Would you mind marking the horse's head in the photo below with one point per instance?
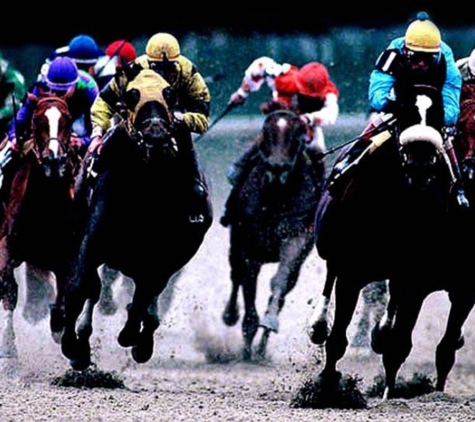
(421, 147)
(280, 142)
(51, 135)
(149, 121)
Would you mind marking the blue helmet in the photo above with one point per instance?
(83, 49)
(62, 74)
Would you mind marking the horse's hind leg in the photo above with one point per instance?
(346, 297)
(231, 311)
(38, 294)
(399, 343)
(107, 305)
(374, 302)
(250, 322)
(9, 296)
(292, 257)
(453, 338)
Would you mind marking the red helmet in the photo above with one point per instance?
(123, 49)
(285, 83)
(313, 79)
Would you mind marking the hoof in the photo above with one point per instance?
(80, 364)
(143, 351)
(318, 332)
(231, 315)
(11, 353)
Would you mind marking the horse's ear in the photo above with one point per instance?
(170, 96)
(131, 98)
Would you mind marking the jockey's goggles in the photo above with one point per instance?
(416, 57)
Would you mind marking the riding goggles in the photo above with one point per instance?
(416, 57)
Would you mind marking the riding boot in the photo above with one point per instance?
(237, 175)
(342, 169)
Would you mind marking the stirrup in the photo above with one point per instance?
(462, 200)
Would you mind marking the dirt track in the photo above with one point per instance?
(182, 382)
(179, 383)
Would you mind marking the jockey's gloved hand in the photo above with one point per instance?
(237, 98)
(449, 132)
(178, 122)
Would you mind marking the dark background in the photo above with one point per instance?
(43, 22)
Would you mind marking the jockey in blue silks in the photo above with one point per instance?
(419, 59)
(64, 79)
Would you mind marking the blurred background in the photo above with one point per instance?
(349, 52)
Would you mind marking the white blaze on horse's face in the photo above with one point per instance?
(53, 115)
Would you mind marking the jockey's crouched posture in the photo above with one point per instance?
(191, 108)
(419, 62)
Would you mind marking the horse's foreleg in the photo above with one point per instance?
(84, 291)
(453, 338)
(63, 280)
(143, 350)
(142, 319)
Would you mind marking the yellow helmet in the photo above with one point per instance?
(423, 35)
(162, 47)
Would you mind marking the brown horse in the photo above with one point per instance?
(38, 225)
(273, 224)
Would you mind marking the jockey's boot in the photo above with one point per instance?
(237, 175)
(341, 172)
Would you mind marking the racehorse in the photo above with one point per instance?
(38, 225)
(395, 219)
(144, 220)
(274, 224)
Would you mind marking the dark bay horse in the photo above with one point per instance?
(144, 220)
(273, 224)
(38, 225)
(395, 219)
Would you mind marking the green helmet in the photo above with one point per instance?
(162, 47)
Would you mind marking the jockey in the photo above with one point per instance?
(118, 54)
(191, 95)
(12, 91)
(420, 58)
(63, 79)
(317, 103)
(307, 91)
